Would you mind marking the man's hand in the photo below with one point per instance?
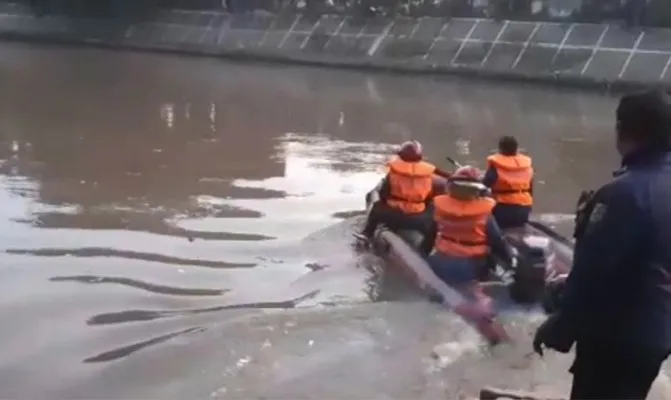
(553, 334)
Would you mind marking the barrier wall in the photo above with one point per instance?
(567, 53)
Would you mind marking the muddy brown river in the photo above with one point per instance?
(175, 227)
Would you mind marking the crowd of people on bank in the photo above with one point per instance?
(616, 306)
(632, 12)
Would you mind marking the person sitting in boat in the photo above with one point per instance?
(467, 232)
(510, 177)
(405, 195)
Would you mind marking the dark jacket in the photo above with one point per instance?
(508, 215)
(619, 290)
(497, 244)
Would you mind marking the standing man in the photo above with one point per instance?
(510, 176)
(616, 306)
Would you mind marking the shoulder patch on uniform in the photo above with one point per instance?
(597, 214)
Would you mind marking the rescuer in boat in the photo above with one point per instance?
(510, 176)
(616, 305)
(466, 232)
(405, 195)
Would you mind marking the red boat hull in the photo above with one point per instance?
(403, 258)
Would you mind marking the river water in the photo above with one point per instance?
(175, 227)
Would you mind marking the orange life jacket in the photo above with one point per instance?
(411, 184)
(462, 225)
(513, 185)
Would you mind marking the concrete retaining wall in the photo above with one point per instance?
(583, 54)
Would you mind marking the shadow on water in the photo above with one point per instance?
(202, 213)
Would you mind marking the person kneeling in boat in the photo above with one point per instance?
(467, 232)
(510, 177)
(405, 195)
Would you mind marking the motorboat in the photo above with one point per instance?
(544, 258)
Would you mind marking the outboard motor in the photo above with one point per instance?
(534, 255)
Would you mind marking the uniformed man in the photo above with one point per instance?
(616, 306)
(510, 177)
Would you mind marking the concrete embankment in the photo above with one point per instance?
(569, 54)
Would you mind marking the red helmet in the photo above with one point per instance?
(410, 151)
(466, 174)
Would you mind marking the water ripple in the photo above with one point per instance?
(136, 255)
(149, 315)
(150, 287)
(133, 223)
(125, 351)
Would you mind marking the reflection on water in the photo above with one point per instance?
(158, 248)
(320, 173)
(213, 225)
(156, 209)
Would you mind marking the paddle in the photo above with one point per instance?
(441, 173)
(453, 162)
(551, 233)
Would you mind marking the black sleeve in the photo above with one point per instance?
(385, 189)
